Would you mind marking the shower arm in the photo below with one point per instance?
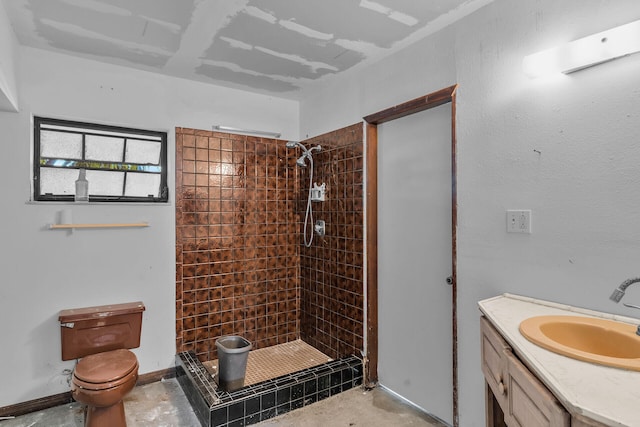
(305, 151)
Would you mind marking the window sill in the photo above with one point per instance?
(130, 204)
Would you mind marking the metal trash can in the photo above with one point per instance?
(233, 352)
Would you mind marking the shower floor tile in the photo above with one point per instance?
(272, 362)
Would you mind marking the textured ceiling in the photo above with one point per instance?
(274, 47)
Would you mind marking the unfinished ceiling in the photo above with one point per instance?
(274, 47)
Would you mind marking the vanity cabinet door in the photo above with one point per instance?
(579, 421)
(494, 362)
(531, 404)
(514, 396)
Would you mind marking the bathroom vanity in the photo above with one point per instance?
(529, 386)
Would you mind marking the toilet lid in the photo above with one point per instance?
(106, 367)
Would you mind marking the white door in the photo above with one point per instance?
(414, 259)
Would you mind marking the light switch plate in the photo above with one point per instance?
(519, 221)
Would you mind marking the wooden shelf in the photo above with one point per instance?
(114, 225)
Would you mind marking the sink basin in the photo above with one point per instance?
(601, 341)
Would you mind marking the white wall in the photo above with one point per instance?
(44, 271)
(8, 48)
(410, 73)
(583, 187)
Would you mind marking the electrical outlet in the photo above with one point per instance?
(519, 221)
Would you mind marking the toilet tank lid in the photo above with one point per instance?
(99, 311)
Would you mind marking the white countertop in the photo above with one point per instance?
(607, 395)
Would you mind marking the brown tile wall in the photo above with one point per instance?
(331, 275)
(237, 256)
(241, 267)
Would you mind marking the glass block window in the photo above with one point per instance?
(122, 164)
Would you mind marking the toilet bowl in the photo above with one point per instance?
(100, 337)
(101, 381)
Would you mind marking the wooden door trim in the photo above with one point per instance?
(432, 100)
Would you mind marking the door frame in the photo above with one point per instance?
(426, 102)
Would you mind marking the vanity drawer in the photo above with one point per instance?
(494, 362)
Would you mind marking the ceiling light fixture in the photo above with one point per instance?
(585, 52)
(246, 131)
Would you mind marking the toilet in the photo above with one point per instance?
(106, 371)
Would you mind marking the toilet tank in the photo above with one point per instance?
(91, 330)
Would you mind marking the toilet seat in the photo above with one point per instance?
(105, 370)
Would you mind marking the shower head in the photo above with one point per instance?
(302, 161)
(292, 144)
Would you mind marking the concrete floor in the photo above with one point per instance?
(355, 408)
(160, 404)
(163, 404)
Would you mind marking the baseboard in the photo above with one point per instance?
(63, 398)
(36, 405)
(410, 403)
(152, 377)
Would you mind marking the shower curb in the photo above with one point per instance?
(265, 400)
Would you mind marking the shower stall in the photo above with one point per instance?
(246, 264)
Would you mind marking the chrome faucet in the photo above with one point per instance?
(618, 293)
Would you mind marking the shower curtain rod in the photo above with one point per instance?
(246, 131)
